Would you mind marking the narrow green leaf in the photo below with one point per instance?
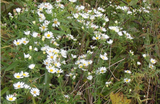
(11, 66)
(4, 90)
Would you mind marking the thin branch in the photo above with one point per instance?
(148, 90)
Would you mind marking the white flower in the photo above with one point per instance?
(31, 66)
(127, 71)
(138, 63)
(131, 52)
(90, 77)
(17, 42)
(127, 80)
(35, 91)
(74, 56)
(102, 70)
(153, 61)
(59, 71)
(25, 74)
(48, 34)
(66, 96)
(26, 55)
(52, 70)
(110, 41)
(18, 75)
(104, 57)
(115, 28)
(18, 85)
(26, 32)
(10, 98)
(72, 0)
(27, 86)
(107, 83)
(151, 66)
(36, 49)
(55, 23)
(63, 53)
(144, 55)
(97, 37)
(43, 27)
(58, 1)
(104, 36)
(24, 41)
(18, 10)
(35, 34)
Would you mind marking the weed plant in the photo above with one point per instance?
(63, 52)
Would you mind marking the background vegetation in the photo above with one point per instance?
(145, 84)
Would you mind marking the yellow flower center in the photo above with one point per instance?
(48, 35)
(102, 71)
(51, 57)
(55, 22)
(127, 80)
(58, 71)
(19, 86)
(17, 43)
(46, 62)
(84, 64)
(51, 70)
(97, 38)
(10, 99)
(24, 74)
(34, 92)
(40, 8)
(80, 66)
(18, 76)
(43, 27)
(24, 41)
(56, 64)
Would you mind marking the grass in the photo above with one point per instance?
(77, 87)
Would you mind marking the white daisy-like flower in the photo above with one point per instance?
(34, 34)
(151, 66)
(104, 57)
(26, 86)
(48, 34)
(55, 23)
(58, 1)
(17, 42)
(107, 83)
(127, 80)
(153, 61)
(102, 70)
(74, 56)
(18, 85)
(66, 96)
(110, 41)
(24, 41)
(59, 71)
(25, 74)
(26, 55)
(97, 37)
(43, 28)
(57, 64)
(72, 0)
(52, 70)
(131, 52)
(31, 66)
(35, 92)
(127, 71)
(90, 77)
(18, 10)
(138, 63)
(63, 53)
(26, 32)
(10, 97)
(18, 75)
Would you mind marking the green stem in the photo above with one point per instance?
(33, 99)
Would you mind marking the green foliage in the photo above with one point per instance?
(133, 25)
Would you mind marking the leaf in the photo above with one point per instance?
(133, 2)
(4, 90)
(11, 66)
